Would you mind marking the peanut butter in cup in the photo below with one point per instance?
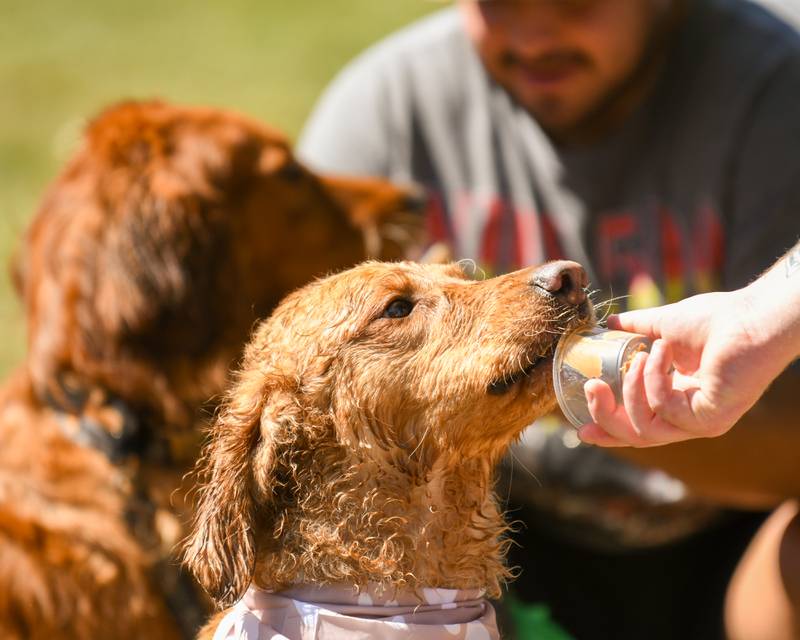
(592, 353)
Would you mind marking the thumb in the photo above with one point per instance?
(644, 321)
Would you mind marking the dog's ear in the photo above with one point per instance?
(236, 472)
(437, 253)
(390, 217)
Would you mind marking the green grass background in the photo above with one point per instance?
(61, 62)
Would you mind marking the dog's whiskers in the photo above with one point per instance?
(522, 464)
(606, 307)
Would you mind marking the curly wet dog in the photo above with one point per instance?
(351, 462)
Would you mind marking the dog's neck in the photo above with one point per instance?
(391, 519)
(461, 532)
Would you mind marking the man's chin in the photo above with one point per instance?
(565, 120)
(554, 108)
(554, 114)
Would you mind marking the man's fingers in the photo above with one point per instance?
(605, 411)
(649, 428)
(595, 434)
(670, 402)
(667, 434)
(600, 398)
(602, 406)
(632, 423)
(634, 396)
(658, 378)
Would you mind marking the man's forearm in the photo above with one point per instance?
(774, 301)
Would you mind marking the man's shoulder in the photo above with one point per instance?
(731, 51)
(418, 69)
(437, 31)
(787, 13)
(756, 26)
(437, 39)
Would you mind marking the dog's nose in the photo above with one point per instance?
(564, 279)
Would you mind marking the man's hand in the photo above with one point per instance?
(714, 356)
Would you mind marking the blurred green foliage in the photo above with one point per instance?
(61, 62)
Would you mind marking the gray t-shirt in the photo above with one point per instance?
(700, 189)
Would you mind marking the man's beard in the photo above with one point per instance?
(612, 105)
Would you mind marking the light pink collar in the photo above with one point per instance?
(342, 613)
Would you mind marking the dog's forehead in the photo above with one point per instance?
(376, 279)
(411, 272)
(359, 291)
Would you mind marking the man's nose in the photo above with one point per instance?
(563, 279)
(532, 28)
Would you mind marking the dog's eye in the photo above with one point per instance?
(399, 308)
(292, 172)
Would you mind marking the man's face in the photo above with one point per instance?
(562, 59)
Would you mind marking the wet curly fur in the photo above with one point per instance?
(166, 235)
(357, 444)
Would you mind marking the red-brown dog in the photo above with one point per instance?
(168, 233)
